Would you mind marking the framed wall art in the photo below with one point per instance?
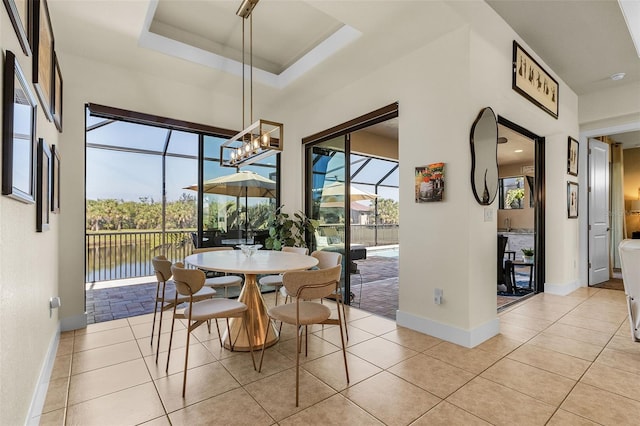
(572, 200)
(19, 12)
(56, 104)
(429, 183)
(42, 43)
(18, 133)
(43, 186)
(533, 82)
(572, 156)
(55, 179)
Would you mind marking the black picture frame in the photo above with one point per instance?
(20, 14)
(534, 82)
(572, 200)
(573, 151)
(43, 189)
(19, 112)
(55, 179)
(56, 101)
(43, 47)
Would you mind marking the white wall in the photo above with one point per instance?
(28, 278)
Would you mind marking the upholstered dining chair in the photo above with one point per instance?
(166, 300)
(224, 281)
(276, 280)
(306, 286)
(329, 259)
(188, 283)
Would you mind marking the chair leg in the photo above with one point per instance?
(298, 342)
(246, 329)
(155, 311)
(173, 321)
(266, 335)
(277, 291)
(186, 357)
(219, 336)
(344, 350)
(162, 309)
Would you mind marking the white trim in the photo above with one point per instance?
(466, 338)
(561, 289)
(73, 323)
(342, 37)
(40, 393)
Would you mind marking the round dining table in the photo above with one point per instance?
(262, 262)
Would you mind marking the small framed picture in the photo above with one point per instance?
(19, 142)
(534, 82)
(572, 200)
(572, 156)
(43, 189)
(429, 183)
(55, 179)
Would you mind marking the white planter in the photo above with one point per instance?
(528, 259)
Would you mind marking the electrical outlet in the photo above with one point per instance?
(488, 214)
(437, 296)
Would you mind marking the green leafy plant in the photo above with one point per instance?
(287, 230)
(514, 196)
(527, 251)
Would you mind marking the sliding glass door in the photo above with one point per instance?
(327, 199)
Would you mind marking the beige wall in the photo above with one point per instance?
(28, 277)
(631, 186)
(521, 219)
(376, 145)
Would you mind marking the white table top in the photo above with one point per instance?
(263, 262)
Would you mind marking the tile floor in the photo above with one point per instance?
(557, 361)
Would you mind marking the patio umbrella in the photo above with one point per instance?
(336, 192)
(242, 184)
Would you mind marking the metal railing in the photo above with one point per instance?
(119, 255)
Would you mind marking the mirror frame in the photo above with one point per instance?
(482, 193)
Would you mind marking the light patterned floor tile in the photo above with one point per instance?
(495, 403)
(601, 406)
(381, 352)
(473, 360)
(403, 405)
(333, 411)
(446, 414)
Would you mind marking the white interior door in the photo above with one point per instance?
(598, 212)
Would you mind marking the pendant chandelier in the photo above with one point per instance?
(262, 138)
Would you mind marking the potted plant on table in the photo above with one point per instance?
(287, 230)
(527, 254)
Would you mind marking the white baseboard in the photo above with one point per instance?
(561, 289)
(73, 323)
(466, 338)
(40, 394)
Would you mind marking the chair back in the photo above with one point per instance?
(314, 284)
(297, 250)
(205, 249)
(327, 259)
(629, 251)
(162, 268)
(502, 246)
(187, 281)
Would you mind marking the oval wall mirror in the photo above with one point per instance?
(484, 157)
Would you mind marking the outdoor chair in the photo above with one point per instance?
(188, 283)
(170, 299)
(305, 286)
(276, 280)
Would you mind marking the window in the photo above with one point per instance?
(511, 193)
